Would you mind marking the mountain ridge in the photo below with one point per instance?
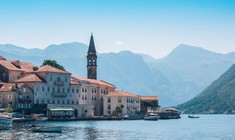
(174, 80)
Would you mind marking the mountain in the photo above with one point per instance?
(217, 98)
(176, 78)
(190, 69)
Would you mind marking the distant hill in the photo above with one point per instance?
(176, 78)
(191, 69)
(217, 98)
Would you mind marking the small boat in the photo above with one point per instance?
(152, 117)
(55, 129)
(190, 116)
(169, 113)
(40, 117)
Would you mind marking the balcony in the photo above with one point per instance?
(59, 83)
(59, 94)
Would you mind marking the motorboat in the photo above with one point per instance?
(169, 113)
(152, 117)
(53, 129)
(191, 116)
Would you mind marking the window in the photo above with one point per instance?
(24, 89)
(58, 102)
(0, 96)
(63, 102)
(67, 101)
(53, 101)
(58, 78)
(82, 97)
(77, 102)
(85, 90)
(58, 89)
(63, 89)
(82, 89)
(72, 102)
(48, 101)
(109, 106)
(119, 99)
(109, 100)
(92, 98)
(42, 89)
(53, 89)
(85, 97)
(77, 90)
(92, 90)
(68, 90)
(48, 89)
(42, 101)
(9, 96)
(65, 79)
(50, 78)
(72, 90)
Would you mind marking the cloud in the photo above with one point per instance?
(119, 42)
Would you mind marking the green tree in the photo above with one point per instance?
(8, 110)
(53, 63)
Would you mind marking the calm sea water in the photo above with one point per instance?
(207, 127)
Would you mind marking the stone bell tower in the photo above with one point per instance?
(91, 60)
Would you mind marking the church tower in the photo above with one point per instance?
(91, 60)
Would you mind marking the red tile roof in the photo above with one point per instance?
(23, 66)
(29, 78)
(6, 87)
(149, 98)
(98, 82)
(121, 93)
(48, 68)
(8, 65)
(74, 81)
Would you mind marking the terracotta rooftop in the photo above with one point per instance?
(2, 58)
(121, 93)
(7, 87)
(98, 82)
(48, 68)
(149, 98)
(29, 78)
(74, 81)
(8, 65)
(11, 65)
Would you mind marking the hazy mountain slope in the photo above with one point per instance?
(219, 97)
(190, 69)
(129, 73)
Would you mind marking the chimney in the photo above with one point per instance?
(35, 68)
(16, 63)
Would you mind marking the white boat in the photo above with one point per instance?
(55, 129)
(152, 117)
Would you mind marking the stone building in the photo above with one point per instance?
(129, 102)
(17, 96)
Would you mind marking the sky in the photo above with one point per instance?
(154, 27)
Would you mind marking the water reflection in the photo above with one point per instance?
(209, 127)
